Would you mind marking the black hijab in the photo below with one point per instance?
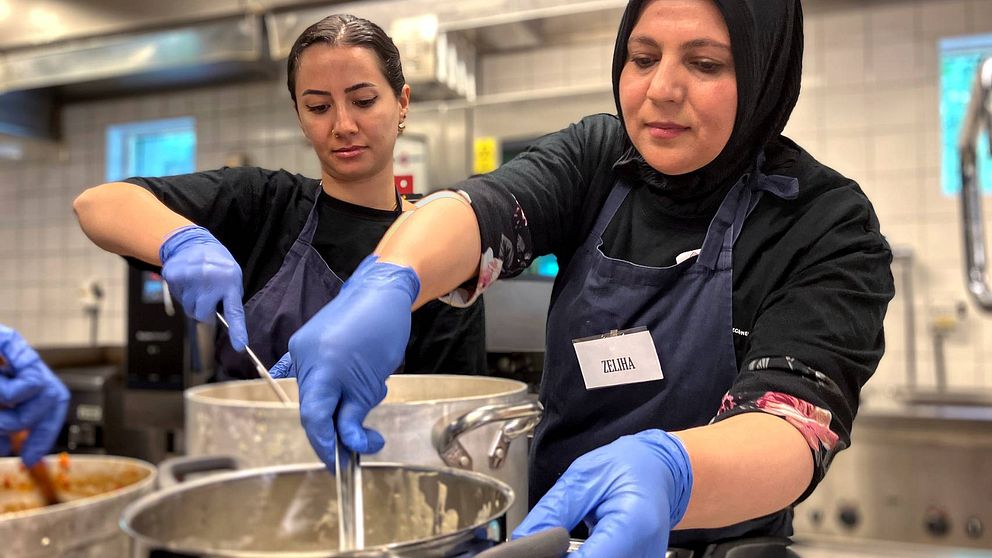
(766, 39)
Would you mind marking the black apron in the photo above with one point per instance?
(301, 287)
(688, 310)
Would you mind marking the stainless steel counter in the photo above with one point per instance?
(874, 549)
(916, 473)
(973, 406)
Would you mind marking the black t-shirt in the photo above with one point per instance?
(811, 276)
(625, 238)
(258, 215)
(349, 230)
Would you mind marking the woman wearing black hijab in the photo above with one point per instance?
(719, 307)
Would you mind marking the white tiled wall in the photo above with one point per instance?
(869, 108)
(888, 110)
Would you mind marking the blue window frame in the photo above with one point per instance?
(151, 148)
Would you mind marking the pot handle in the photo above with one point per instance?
(551, 543)
(174, 470)
(524, 417)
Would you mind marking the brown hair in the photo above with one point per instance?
(348, 30)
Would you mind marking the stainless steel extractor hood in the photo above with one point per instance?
(133, 46)
(440, 42)
(194, 48)
(35, 79)
(436, 64)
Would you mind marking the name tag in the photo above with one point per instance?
(618, 358)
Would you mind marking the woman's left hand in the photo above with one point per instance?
(630, 493)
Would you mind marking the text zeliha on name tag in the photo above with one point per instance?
(613, 360)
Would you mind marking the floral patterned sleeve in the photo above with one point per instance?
(509, 258)
(815, 423)
(812, 422)
(541, 202)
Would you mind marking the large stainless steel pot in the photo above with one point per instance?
(291, 510)
(80, 527)
(469, 422)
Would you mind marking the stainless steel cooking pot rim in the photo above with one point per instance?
(90, 500)
(134, 508)
(201, 394)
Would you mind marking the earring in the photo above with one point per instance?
(401, 127)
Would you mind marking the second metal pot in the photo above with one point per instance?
(469, 422)
(83, 526)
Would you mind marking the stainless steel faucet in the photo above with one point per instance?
(977, 117)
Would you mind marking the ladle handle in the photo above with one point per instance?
(552, 543)
(174, 470)
(262, 370)
(38, 472)
(351, 506)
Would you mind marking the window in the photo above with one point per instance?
(959, 60)
(151, 148)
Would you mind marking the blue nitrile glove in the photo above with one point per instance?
(202, 273)
(630, 493)
(31, 398)
(343, 355)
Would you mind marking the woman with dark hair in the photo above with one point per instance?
(719, 307)
(275, 247)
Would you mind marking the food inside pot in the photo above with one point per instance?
(18, 491)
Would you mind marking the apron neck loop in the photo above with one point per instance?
(613, 202)
(783, 187)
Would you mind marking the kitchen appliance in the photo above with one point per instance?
(94, 422)
(166, 352)
(94, 376)
(469, 422)
(162, 353)
(80, 527)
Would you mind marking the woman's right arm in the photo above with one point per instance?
(440, 241)
(126, 219)
(538, 203)
(192, 242)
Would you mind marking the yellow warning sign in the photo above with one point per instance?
(486, 155)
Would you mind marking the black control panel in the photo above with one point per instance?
(158, 354)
